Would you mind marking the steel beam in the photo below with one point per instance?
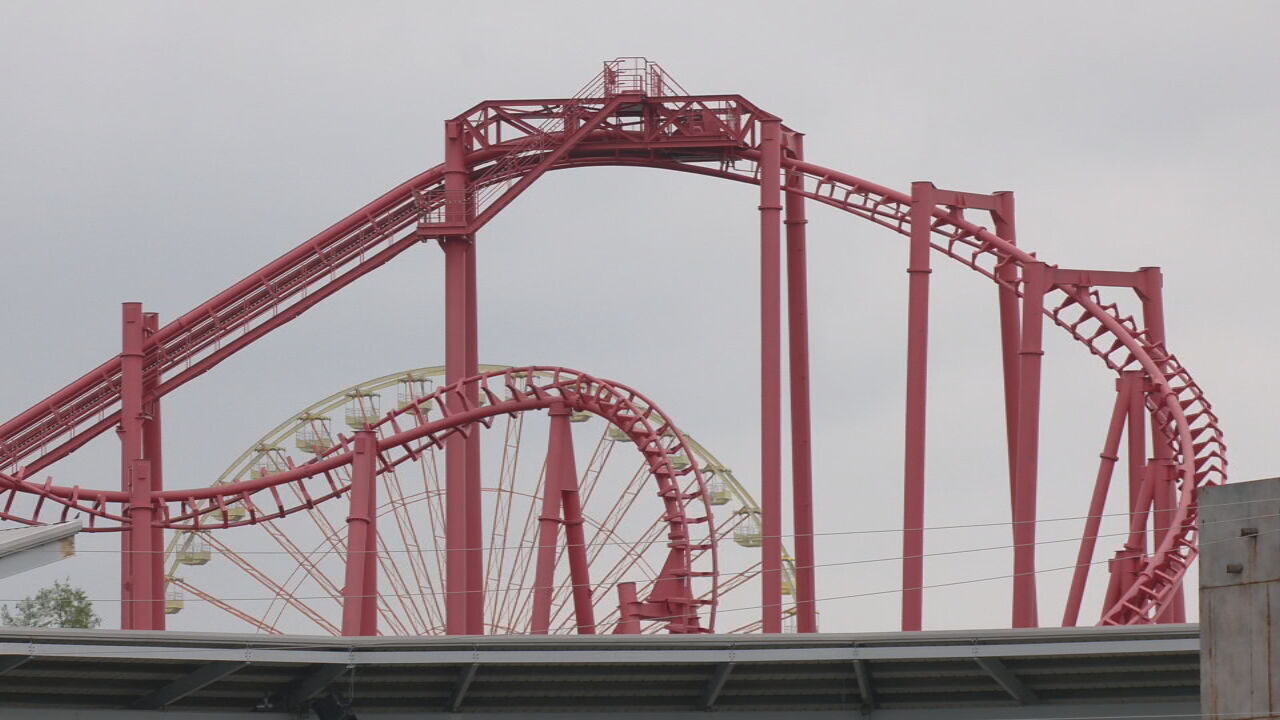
(192, 682)
(801, 430)
(866, 690)
(13, 662)
(715, 684)
(313, 683)
(465, 676)
(1005, 678)
(771, 374)
(922, 205)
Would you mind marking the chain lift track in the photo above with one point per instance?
(634, 114)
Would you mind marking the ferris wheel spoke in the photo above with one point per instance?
(595, 466)
(435, 519)
(608, 527)
(302, 558)
(524, 559)
(402, 592)
(590, 475)
(605, 532)
(748, 628)
(278, 590)
(565, 588)
(225, 607)
(498, 533)
(413, 548)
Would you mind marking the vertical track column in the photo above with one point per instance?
(456, 249)
(575, 540)
(1163, 472)
(1121, 567)
(1035, 285)
(1010, 332)
(475, 520)
(801, 435)
(137, 589)
(1097, 503)
(544, 573)
(153, 451)
(771, 373)
(360, 593)
(918, 270)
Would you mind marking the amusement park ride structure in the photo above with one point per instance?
(631, 114)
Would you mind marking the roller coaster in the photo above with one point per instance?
(398, 545)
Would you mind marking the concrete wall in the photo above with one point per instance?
(1240, 600)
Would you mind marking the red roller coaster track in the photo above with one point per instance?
(633, 114)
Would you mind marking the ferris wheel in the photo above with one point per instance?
(285, 575)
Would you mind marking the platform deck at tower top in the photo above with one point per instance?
(1047, 673)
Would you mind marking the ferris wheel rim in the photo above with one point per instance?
(287, 429)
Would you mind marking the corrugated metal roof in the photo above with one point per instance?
(117, 669)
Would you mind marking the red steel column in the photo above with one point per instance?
(1035, 285)
(137, 589)
(455, 303)
(801, 436)
(771, 373)
(574, 538)
(153, 451)
(1010, 334)
(1097, 504)
(917, 377)
(1164, 478)
(549, 523)
(628, 617)
(1137, 429)
(475, 521)
(360, 593)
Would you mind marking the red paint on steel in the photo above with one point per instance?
(456, 492)
(549, 523)
(137, 576)
(1010, 333)
(1035, 285)
(1098, 501)
(616, 120)
(360, 593)
(771, 372)
(475, 520)
(801, 433)
(153, 452)
(922, 206)
(628, 613)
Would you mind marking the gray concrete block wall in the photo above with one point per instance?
(1240, 600)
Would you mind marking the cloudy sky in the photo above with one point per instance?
(159, 152)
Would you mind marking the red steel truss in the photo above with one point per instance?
(633, 114)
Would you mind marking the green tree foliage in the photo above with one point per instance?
(60, 605)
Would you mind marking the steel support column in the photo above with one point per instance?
(801, 436)
(153, 451)
(1097, 504)
(549, 523)
(1036, 279)
(360, 593)
(1164, 474)
(475, 521)
(137, 586)
(918, 270)
(574, 537)
(628, 616)
(456, 249)
(456, 514)
(1010, 332)
(771, 373)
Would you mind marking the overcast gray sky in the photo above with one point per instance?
(160, 151)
